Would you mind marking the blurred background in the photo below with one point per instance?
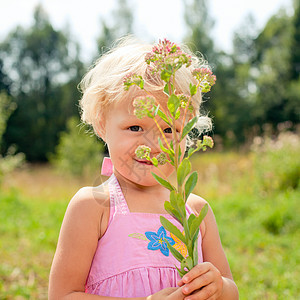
(251, 178)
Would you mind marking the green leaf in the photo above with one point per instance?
(171, 145)
(181, 205)
(156, 109)
(177, 115)
(195, 252)
(172, 228)
(164, 117)
(141, 85)
(179, 154)
(173, 199)
(149, 114)
(193, 89)
(177, 202)
(188, 127)
(183, 170)
(172, 211)
(163, 148)
(163, 182)
(190, 219)
(154, 161)
(174, 252)
(197, 221)
(181, 273)
(186, 263)
(165, 75)
(173, 104)
(190, 184)
(166, 89)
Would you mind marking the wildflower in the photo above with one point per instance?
(133, 79)
(184, 99)
(167, 57)
(205, 78)
(208, 141)
(143, 152)
(143, 105)
(161, 158)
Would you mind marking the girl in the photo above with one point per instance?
(111, 243)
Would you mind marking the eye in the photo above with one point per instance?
(135, 128)
(168, 130)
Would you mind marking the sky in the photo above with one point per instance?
(154, 19)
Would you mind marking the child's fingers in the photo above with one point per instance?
(178, 294)
(208, 292)
(196, 272)
(180, 283)
(198, 283)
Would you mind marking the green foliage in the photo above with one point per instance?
(260, 231)
(120, 23)
(163, 182)
(44, 67)
(200, 25)
(278, 162)
(29, 231)
(77, 153)
(6, 109)
(10, 161)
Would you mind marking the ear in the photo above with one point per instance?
(101, 132)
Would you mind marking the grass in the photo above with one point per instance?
(259, 227)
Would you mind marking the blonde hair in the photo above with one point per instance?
(103, 83)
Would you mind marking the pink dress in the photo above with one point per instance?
(131, 259)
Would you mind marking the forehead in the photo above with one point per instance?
(125, 104)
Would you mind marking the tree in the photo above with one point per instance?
(199, 25)
(274, 48)
(224, 103)
(41, 63)
(121, 26)
(293, 93)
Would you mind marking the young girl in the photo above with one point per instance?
(111, 243)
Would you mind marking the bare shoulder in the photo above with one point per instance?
(90, 205)
(196, 203)
(97, 197)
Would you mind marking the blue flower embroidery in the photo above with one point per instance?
(157, 240)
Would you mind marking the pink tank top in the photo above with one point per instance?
(131, 259)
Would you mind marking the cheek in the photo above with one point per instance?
(121, 146)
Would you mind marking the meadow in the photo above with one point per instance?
(255, 197)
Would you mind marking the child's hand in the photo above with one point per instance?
(168, 294)
(203, 282)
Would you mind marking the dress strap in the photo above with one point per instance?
(118, 203)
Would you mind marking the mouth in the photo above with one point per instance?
(144, 162)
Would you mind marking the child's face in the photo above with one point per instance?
(124, 132)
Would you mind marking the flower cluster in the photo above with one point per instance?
(167, 57)
(133, 79)
(143, 105)
(184, 100)
(206, 142)
(143, 152)
(205, 78)
(161, 158)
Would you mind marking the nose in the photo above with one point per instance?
(150, 139)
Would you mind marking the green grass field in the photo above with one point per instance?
(259, 224)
